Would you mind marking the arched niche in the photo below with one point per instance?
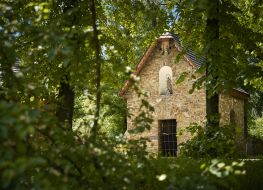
(165, 81)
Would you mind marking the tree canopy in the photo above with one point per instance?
(63, 62)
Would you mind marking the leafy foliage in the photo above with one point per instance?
(241, 49)
(209, 142)
(255, 110)
(55, 43)
(49, 157)
(256, 129)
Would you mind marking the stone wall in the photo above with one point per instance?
(184, 107)
(226, 104)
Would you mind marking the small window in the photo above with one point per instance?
(232, 117)
(165, 81)
(167, 137)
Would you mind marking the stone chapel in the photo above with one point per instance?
(174, 107)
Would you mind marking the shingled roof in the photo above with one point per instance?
(197, 60)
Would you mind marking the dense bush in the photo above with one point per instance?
(36, 152)
(50, 157)
(256, 128)
(209, 142)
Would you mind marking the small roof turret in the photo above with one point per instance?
(166, 35)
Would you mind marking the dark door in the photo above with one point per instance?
(167, 135)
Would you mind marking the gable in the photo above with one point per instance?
(189, 57)
(166, 38)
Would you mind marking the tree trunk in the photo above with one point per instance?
(212, 98)
(212, 110)
(96, 44)
(66, 93)
(66, 103)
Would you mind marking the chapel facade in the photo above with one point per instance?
(174, 107)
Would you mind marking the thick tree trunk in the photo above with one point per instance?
(212, 98)
(212, 110)
(66, 103)
(96, 45)
(66, 95)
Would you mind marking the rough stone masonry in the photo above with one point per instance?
(181, 106)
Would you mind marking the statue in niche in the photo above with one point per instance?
(169, 85)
